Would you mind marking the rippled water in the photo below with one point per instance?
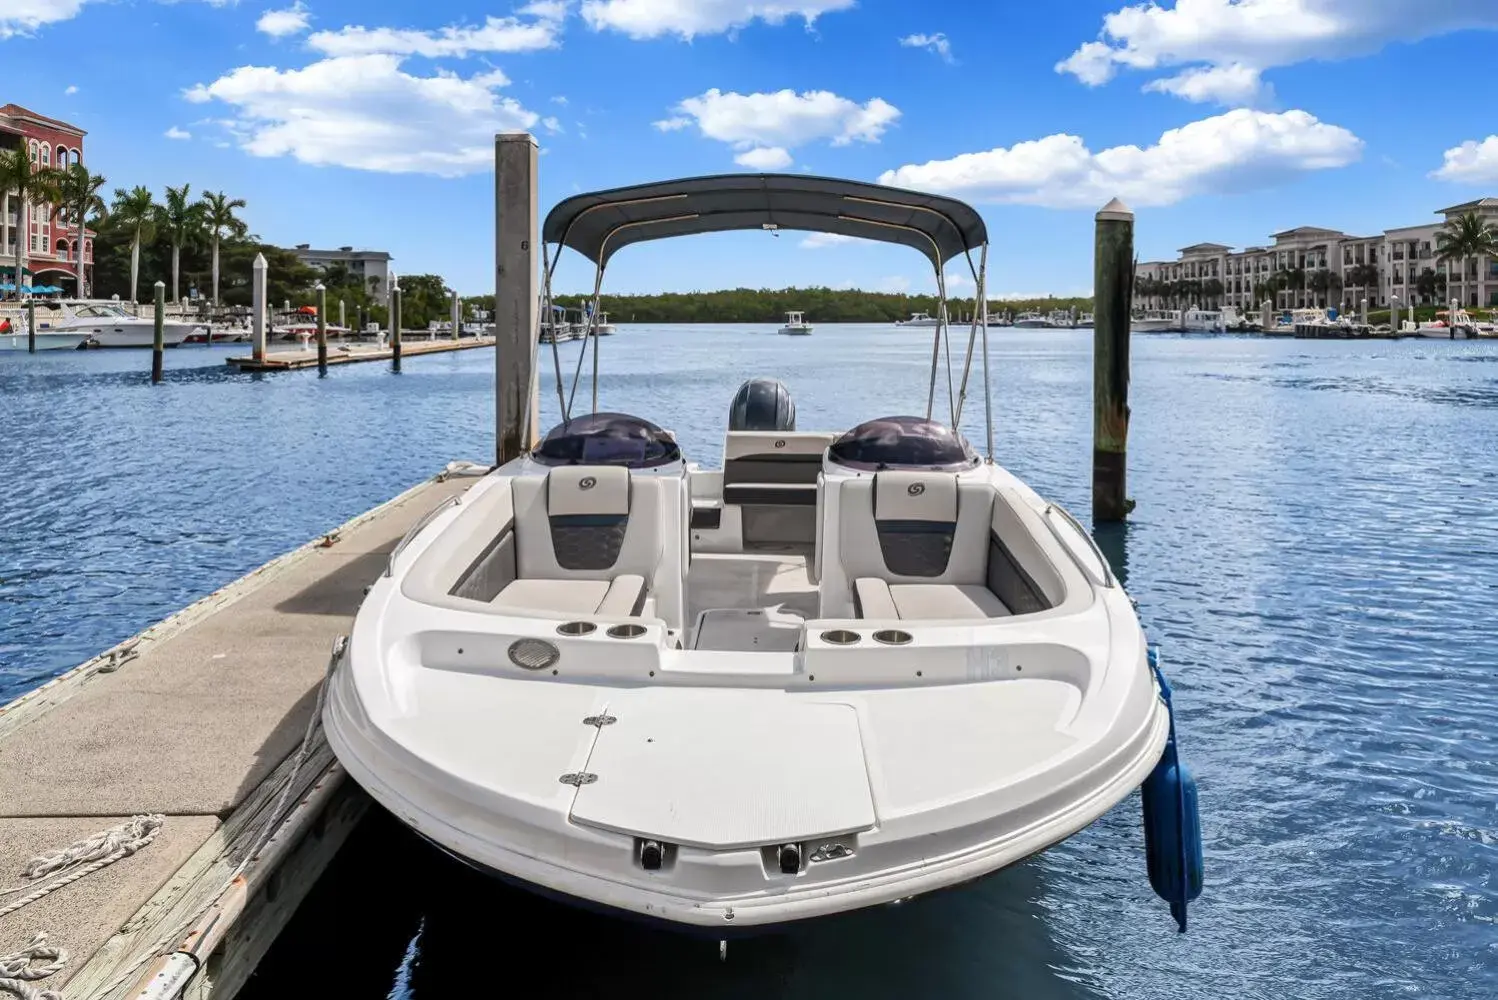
(1316, 548)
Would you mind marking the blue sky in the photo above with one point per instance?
(372, 123)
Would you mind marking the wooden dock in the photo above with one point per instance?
(200, 719)
(344, 354)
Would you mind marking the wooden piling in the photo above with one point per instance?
(158, 344)
(395, 327)
(258, 306)
(1113, 279)
(31, 326)
(457, 315)
(322, 328)
(516, 234)
(341, 324)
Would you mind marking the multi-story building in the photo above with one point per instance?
(50, 235)
(370, 266)
(1310, 266)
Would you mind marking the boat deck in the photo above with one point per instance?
(774, 583)
(197, 718)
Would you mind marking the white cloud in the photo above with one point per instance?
(765, 127)
(764, 158)
(72, 89)
(291, 20)
(551, 124)
(815, 241)
(24, 17)
(689, 18)
(366, 112)
(937, 43)
(1236, 151)
(895, 284)
(1249, 36)
(1472, 162)
(1234, 85)
(559, 99)
(176, 133)
(496, 34)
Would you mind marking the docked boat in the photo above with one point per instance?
(919, 319)
(108, 325)
(1203, 321)
(1156, 321)
(13, 337)
(850, 667)
(601, 325)
(1447, 326)
(795, 325)
(1031, 321)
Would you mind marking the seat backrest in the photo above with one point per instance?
(587, 522)
(773, 476)
(914, 527)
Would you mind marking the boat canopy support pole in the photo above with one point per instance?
(1113, 284)
(987, 387)
(590, 331)
(516, 235)
(941, 311)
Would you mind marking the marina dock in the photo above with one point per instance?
(344, 354)
(201, 722)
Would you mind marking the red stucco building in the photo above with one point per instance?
(51, 256)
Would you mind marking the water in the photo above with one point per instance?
(1316, 547)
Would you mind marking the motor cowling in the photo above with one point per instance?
(762, 404)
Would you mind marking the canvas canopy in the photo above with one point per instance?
(598, 225)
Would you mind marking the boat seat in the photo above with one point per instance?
(587, 541)
(915, 546)
(772, 475)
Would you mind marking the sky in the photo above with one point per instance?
(372, 124)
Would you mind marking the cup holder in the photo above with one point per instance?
(892, 637)
(576, 628)
(840, 637)
(626, 631)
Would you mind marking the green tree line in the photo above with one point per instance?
(767, 305)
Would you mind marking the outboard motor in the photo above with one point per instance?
(762, 404)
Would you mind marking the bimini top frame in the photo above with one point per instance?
(600, 224)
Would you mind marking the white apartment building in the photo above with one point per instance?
(1401, 256)
(371, 266)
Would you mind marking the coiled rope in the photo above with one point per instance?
(17, 971)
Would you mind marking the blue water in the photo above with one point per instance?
(1315, 547)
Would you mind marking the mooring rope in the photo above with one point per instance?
(18, 971)
(85, 857)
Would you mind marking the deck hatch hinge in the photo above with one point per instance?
(578, 778)
(600, 720)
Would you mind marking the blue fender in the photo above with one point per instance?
(1172, 821)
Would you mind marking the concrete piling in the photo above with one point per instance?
(258, 305)
(322, 328)
(157, 338)
(1266, 314)
(516, 235)
(1113, 279)
(341, 324)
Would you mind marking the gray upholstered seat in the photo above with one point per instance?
(587, 540)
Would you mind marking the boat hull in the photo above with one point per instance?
(46, 340)
(796, 331)
(139, 334)
(1153, 326)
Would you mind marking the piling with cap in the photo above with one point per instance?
(341, 324)
(1266, 321)
(1113, 286)
(158, 340)
(395, 326)
(457, 314)
(322, 328)
(31, 326)
(258, 305)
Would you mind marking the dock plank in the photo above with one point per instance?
(200, 722)
(344, 354)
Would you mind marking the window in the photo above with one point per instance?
(33, 152)
(62, 155)
(46, 156)
(62, 249)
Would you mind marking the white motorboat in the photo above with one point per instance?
(843, 670)
(1446, 326)
(1196, 320)
(1156, 321)
(13, 337)
(795, 325)
(1032, 321)
(108, 325)
(919, 319)
(601, 325)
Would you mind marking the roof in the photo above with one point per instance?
(598, 225)
(16, 111)
(341, 252)
(1308, 231)
(1214, 247)
(1468, 206)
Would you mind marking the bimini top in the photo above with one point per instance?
(597, 225)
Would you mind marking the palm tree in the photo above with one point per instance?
(1212, 289)
(137, 211)
(20, 176)
(218, 215)
(182, 220)
(78, 191)
(1466, 236)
